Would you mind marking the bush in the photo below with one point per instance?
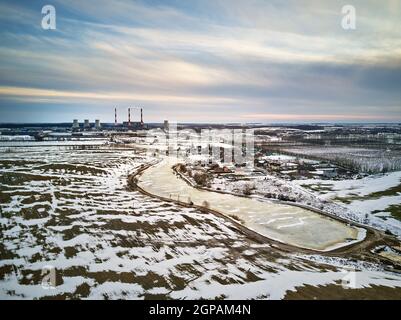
(181, 168)
(201, 178)
(248, 189)
(388, 232)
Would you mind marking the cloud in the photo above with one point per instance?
(33, 94)
(272, 117)
(250, 57)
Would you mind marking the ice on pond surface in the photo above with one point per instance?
(285, 223)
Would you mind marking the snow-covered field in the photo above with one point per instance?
(72, 210)
(360, 159)
(11, 144)
(377, 196)
(373, 201)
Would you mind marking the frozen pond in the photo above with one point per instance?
(284, 223)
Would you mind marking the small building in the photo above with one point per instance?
(75, 124)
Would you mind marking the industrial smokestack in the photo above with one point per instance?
(129, 117)
(141, 116)
(115, 116)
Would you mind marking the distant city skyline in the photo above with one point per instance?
(201, 61)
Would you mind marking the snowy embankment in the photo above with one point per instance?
(369, 198)
(273, 187)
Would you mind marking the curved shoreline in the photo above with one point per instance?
(253, 235)
(360, 250)
(337, 246)
(372, 238)
(287, 203)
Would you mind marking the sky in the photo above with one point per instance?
(201, 61)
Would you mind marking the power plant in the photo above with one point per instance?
(124, 126)
(133, 125)
(86, 125)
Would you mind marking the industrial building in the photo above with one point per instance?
(124, 126)
(132, 125)
(86, 125)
